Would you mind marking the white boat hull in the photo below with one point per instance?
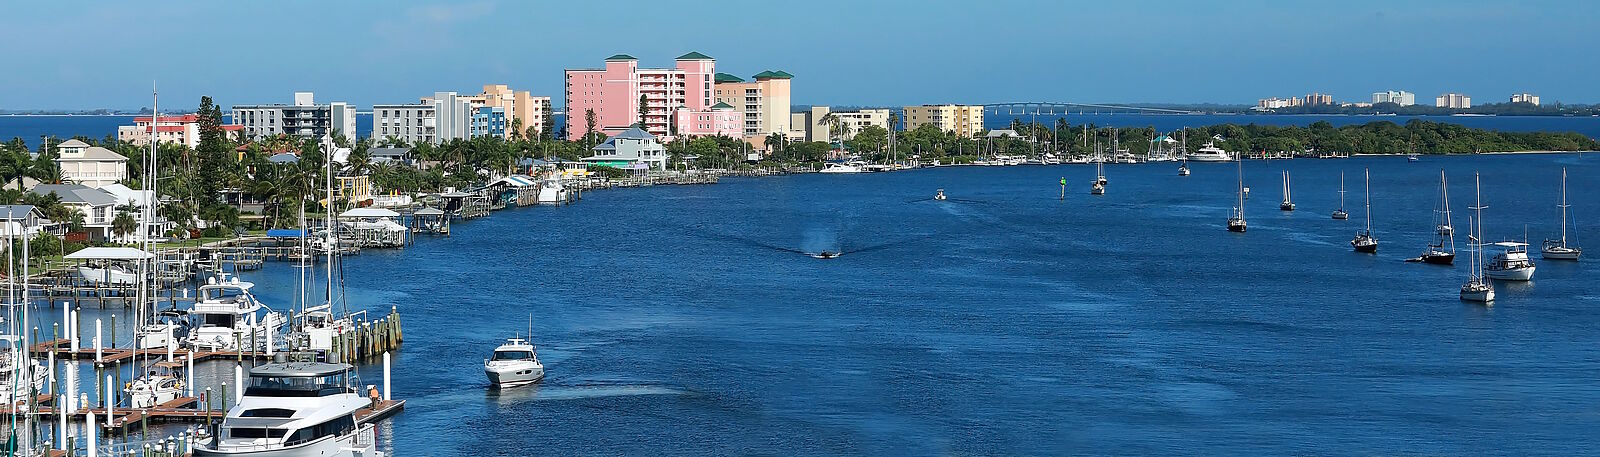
(1483, 295)
(1559, 253)
(1511, 274)
(512, 375)
(1208, 158)
(362, 443)
(107, 276)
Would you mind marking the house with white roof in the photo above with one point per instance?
(134, 198)
(91, 166)
(632, 149)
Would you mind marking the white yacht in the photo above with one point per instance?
(227, 317)
(1558, 249)
(551, 192)
(108, 273)
(162, 383)
(295, 409)
(514, 364)
(1478, 288)
(840, 168)
(1210, 153)
(1511, 264)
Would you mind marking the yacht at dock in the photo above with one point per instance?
(295, 409)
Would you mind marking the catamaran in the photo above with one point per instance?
(1478, 288)
(1364, 241)
(1558, 249)
(1443, 249)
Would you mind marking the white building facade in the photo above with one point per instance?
(92, 166)
(1398, 97)
(304, 119)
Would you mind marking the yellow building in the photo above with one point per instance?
(764, 102)
(964, 120)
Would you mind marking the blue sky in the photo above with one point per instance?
(104, 54)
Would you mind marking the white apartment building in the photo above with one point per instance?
(1453, 101)
(1398, 97)
(304, 118)
(1525, 98)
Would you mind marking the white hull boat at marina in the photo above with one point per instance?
(834, 168)
(295, 409)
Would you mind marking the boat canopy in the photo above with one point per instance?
(109, 254)
(515, 181)
(369, 212)
(285, 233)
(429, 211)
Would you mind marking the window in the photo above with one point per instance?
(336, 426)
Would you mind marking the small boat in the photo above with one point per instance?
(1341, 214)
(1478, 288)
(21, 377)
(1183, 170)
(1413, 158)
(1099, 185)
(162, 383)
(1236, 221)
(1511, 264)
(515, 363)
(295, 409)
(1288, 202)
(1364, 241)
(834, 167)
(108, 274)
(939, 195)
(1443, 249)
(825, 255)
(1210, 153)
(1558, 249)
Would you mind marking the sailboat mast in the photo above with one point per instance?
(333, 235)
(1563, 206)
(1369, 200)
(1444, 192)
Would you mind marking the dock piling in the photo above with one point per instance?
(94, 447)
(99, 349)
(386, 396)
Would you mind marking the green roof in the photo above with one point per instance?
(720, 105)
(695, 56)
(769, 74)
(621, 57)
(727, 78)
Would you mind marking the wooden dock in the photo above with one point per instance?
(63, 351)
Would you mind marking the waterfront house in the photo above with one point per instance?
(21, 220)
(97, 206)
(135, 198)
(92, 166)
(632, 149)
(389, 155)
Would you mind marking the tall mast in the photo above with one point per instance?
(1369, 201)
(1444, 194)
(333, 236)
(1563, 207)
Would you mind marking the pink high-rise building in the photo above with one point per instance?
(614, 94)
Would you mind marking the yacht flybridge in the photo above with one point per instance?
(227, 317)
(295, 409)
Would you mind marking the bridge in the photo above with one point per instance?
(1054, 108)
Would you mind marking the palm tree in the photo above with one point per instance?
(123, 224)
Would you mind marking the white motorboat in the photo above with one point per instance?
(1478, 288)
(1511, 264)
(833, 167)
(1558, 249)
(552, 192)
(295, 409)
(1210, 153)
(515, 363)
(939, 195)
(227, 317)
(161, 383)
(108, 274)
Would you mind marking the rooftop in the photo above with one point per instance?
(727, 78)
(620, 57)
(76, 194)
(721, 105)
(695, 56)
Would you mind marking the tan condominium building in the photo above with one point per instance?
(519, 105)
(764, 102)
(817, 123)
(964, 120)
